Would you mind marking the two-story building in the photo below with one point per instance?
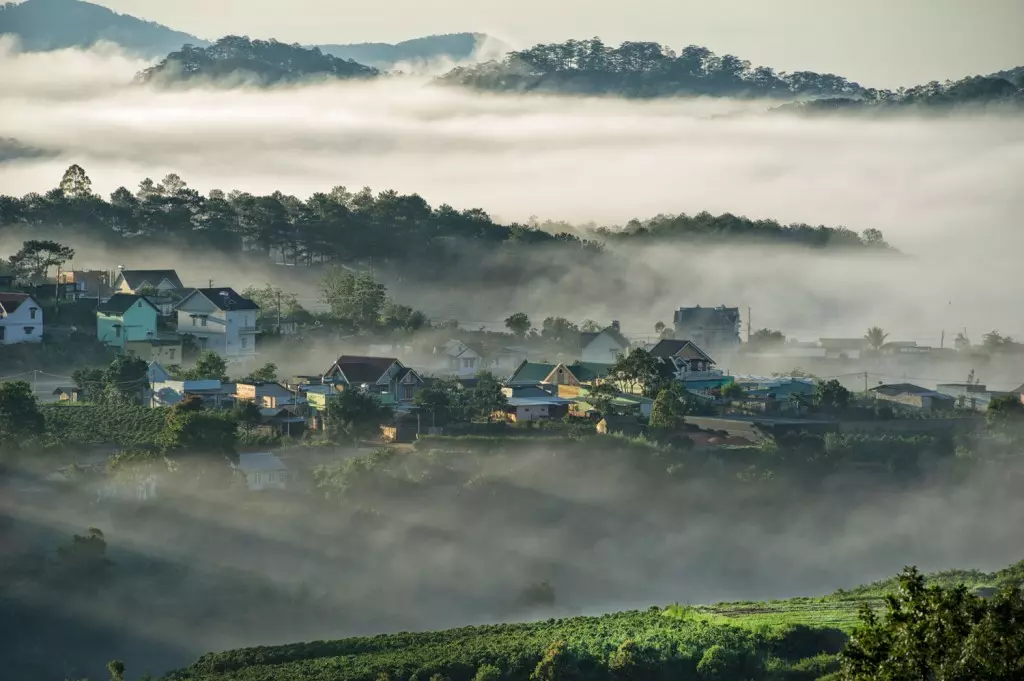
(220, 320)
(715, 328)
(386, 377)
(21, 319)
(125, 317)
(689, 364)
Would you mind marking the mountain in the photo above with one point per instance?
(239, 59)
(455, 47)
(42, 25)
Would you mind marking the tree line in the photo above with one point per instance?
(344, 226)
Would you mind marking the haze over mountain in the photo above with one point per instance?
(43, 25)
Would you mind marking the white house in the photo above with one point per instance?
(263, 470)
(460, 359)
(603, 347)
(21, 319)
(221, 320)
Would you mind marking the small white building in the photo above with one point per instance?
(21, 319)
(263, 471)
(221, 320)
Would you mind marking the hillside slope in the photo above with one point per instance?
(41, 25)
(781, 640)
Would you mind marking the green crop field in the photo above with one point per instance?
(123, 425)
(791, 640)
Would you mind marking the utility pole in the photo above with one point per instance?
(865, 381)
(942, 343)
(35, 378)
(279, 312)
(748, 324)
(210, 284)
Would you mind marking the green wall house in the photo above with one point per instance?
(125, 317)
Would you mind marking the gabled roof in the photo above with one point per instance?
(588, 337)
(137, 278)
(223, 298)
(9, 302)
(119, 303)
(586, 372)
(530, 372)
(357, 369)
(684, 349)
(260, 461)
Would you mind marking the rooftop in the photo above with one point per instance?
(226, 298)
(138, 278)
(119, 303)
(9, 302)
(260, 461)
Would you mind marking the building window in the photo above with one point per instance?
(3, 332)
(170, 352)
(203, 323)
(245, 342)
(29, 330)
(32, 312)
(193, 321)
(117, 331)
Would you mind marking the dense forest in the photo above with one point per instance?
(240, 59)
(344, 226)
(646, 69)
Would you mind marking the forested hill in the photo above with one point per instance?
(646, 70)
(41, 25)
(643, 69)
(972, 92)
(235, 59)
(456, 47)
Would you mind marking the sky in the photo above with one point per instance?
(879, 43)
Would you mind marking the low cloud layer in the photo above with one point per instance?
(943, 190)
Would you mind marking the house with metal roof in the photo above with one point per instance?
(910, 395)
(575, 374)
(263, 471)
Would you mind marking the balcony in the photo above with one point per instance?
(246, 329)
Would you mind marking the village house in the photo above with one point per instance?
(844, 348)
(386, 377)
(166, 391)
(973, 396)
(125, 317)
(574, 375)
(279, 406)
(221, 320)
(67, 394)
(460, 359)
(134, 281)
(914, 396)
(263, 471)
(603, 347)
(714, 328)
(85, 284)
(21, 319)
